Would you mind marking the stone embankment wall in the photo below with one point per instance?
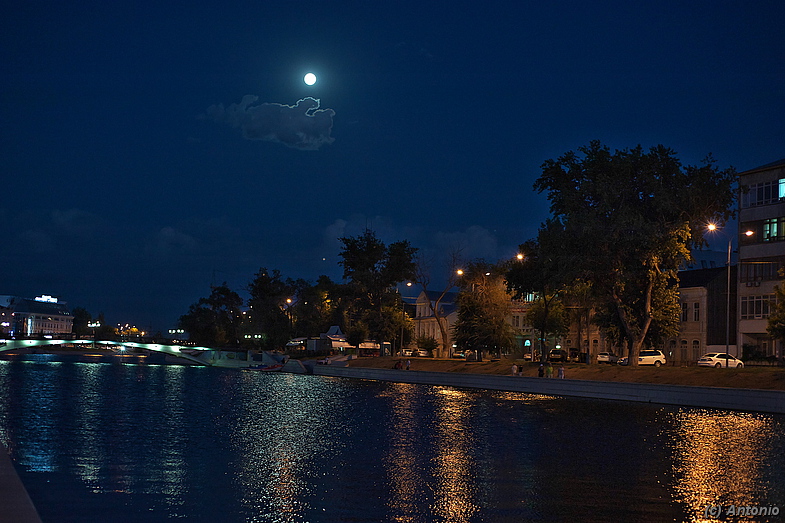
(771, 401)
(15, 504)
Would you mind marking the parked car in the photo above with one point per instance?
(458, 355)
(651, 357)
(422, 353)
(719, 360)
(407, 352)
(607, 357)
(558, 355)
(622, 361)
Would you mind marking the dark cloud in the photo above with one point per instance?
(302, 126)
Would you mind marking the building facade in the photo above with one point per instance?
(706, 323)
(23, 317)
(761, 253)
(426, 322)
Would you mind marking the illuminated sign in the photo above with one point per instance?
(46, 298)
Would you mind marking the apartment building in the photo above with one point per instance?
(761, 252)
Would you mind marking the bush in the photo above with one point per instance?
(428, 343)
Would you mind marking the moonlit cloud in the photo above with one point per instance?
(170, 241)
(301, 126)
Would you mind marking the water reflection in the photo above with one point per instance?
(723, 458)
(456, 485)
(89, 456)
(407, 432)
(147, 443)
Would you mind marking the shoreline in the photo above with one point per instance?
(749, 400)
(763, 378)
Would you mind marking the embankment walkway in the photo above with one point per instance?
(769, 401)
(15, 503)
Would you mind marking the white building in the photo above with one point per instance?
(761, 252)
(33, 317)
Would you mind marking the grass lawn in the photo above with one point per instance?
(746, 378)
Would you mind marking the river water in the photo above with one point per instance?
(117, 442)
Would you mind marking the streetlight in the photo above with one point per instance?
(713, 227)
(94, 325)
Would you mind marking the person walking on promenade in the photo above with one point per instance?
(549, 370)
(541, 371)
(408, 364)
(514, 369)
(561, 372)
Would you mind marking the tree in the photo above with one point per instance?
(373, 270)
(483, 307)
(214, 321)
(580, 302)
(81, 319)
(548, 316)
(269, 320)
(543, 269)
(104, 331)
(631, 218)
(423, 279)
(776, 325)
(316, 307)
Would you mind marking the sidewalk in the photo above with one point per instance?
(15, 503)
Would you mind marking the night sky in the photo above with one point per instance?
(151, 149)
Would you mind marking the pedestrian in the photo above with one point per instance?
(398, 365)
(408, 364)
(561, 372)
(541, 371)
(549, 370)
(514, 369)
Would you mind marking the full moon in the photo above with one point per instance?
(309, 79)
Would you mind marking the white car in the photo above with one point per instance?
(422, 353)
(651, 357)
(607, 357)
(719, 360)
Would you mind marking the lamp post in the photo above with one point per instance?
(94, 325)
(712, 227)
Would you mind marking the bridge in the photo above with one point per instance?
(180, 351)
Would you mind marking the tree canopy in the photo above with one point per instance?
(373, 270)
(628, 220)
(214, 321)
(776, 322)
(483, 307)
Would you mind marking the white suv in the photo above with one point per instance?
(651, 357)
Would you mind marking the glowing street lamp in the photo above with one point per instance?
(713, 227)
(94, 325)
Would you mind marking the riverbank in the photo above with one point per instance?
(725, 398)
(766, 378)
(14, 500)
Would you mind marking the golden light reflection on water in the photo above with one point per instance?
(406, 484)
(455, 492)
(421, 471)
(719, 460)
